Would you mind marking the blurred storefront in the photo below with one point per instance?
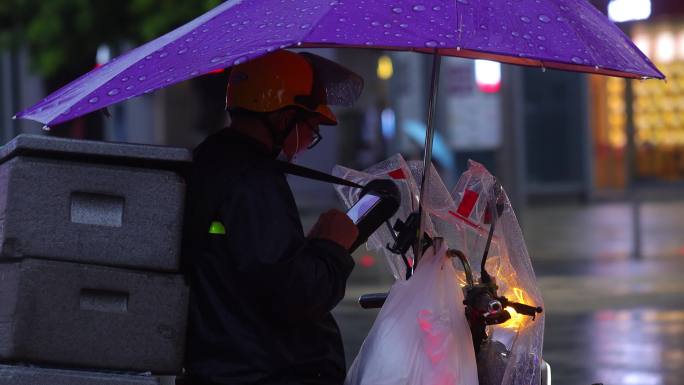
(18, 87)
(471, 118)
(638, 126)
(527, 126)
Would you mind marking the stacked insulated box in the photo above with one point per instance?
(90, 289)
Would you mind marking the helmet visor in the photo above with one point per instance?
(334, 85)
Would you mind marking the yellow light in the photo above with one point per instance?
(665, 47)
(680, 45)
(643, 42)
(385, 67)
(617, 139)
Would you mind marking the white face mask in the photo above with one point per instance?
(297, 138)
(283, 156)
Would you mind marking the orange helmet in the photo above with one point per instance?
(278, 80)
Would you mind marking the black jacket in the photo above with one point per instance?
(261, 294)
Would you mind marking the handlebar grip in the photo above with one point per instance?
(525, 309)
(372, 301)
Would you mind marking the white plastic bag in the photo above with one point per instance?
(421, 336)
(513, 353)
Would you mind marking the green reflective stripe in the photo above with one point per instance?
(216, 227)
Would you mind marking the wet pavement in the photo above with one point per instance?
(611, 318)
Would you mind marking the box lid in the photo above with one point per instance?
(138, 155)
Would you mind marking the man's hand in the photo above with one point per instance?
(334, 225)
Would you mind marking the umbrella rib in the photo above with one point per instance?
(584, 42)
(592, 52)
(310, 31)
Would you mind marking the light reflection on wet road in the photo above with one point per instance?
(609, 318)
(638, 346)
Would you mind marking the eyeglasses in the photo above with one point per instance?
(311, 121)
(315, 138)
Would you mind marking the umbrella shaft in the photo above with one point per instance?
(427, 158)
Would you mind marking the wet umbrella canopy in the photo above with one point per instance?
(564, 34)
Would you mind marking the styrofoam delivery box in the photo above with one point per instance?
(88, 316)
(22, 375)
(92, 202)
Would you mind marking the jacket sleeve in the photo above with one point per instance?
(292, 277)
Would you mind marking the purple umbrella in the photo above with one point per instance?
(563, 34)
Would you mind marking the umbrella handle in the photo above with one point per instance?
(427, 158)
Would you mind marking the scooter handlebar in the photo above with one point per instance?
(372, 301)
(527, 310)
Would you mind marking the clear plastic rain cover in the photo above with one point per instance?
(512, 353)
